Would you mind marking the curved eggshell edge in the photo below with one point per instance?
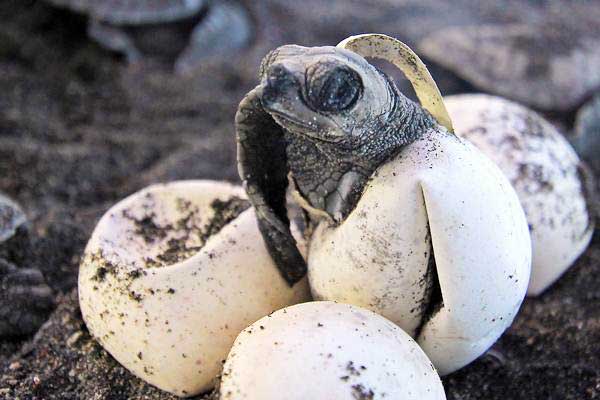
(543, 169)
(479, 237)
(177, 327)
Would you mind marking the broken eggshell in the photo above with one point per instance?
(438, 242)
(326, 350)
(550, 180)
(172, 274)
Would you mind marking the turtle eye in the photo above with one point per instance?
(332, 88)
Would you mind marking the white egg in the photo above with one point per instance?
(171, 275)
(327, 350)
(545, 172)
(438, 244)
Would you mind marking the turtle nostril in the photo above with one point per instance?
(277, 71)
(279, 81)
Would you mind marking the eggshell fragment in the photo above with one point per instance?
(545, 171)
(438, 197)
(165, 288)
(326, 350)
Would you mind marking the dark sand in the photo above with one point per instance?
(79, 130)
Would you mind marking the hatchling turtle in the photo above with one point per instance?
(184, 29)
(330, 119)
(400, 211)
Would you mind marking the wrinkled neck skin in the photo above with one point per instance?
(332, 176)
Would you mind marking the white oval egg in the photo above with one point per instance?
(327, 350)
(438, 244)
(172, 274)
(545, 172)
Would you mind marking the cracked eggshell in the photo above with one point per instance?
(327, 350)
(439, 219)
(545, 171)
(164, 302)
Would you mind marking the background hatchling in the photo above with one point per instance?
(185, 30)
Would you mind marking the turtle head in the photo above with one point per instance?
(330, 118)
(325, 93)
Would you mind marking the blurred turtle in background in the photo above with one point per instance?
(186, 31)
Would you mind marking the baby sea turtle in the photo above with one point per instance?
(327, 117)
(399, 206)
(186, 29)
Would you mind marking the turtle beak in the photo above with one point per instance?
(279, 95)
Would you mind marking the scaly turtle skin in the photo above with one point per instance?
(190, 29)
(327, 118)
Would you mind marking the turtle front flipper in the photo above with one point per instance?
(262, 165)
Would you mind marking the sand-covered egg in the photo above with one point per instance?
(552, 184)
(327, 350)
(172, 274)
